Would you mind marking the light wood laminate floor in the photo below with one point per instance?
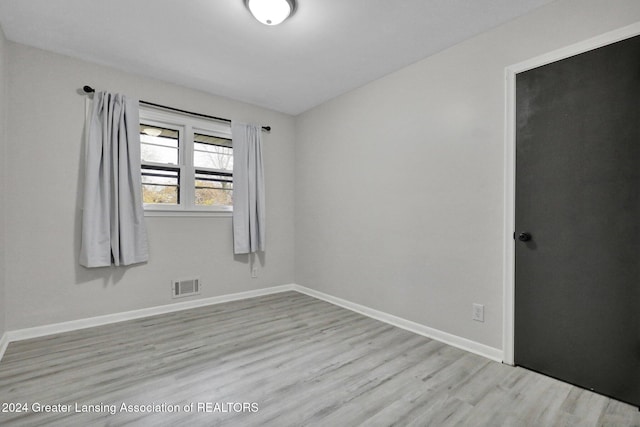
(302, 361)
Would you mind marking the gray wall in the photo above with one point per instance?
(3, 190)
(399, 184)
(44, 283)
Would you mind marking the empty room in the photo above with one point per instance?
(319, 213)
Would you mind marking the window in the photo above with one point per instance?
(187, 163)
(159, 153)
(213, 162)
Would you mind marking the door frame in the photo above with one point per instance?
(508, 309)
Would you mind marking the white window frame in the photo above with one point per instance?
(186, 126)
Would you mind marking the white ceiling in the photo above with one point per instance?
(326, 48)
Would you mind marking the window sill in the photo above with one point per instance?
(187, 213)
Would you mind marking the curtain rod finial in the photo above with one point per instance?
(88, 89)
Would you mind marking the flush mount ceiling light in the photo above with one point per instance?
(271, 12)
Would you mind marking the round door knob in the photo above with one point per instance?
(524, 237)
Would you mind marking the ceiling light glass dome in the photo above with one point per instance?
(271, 12)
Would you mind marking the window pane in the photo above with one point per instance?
(160, 186)
(158, 145)
(214, 188)
(161, 133)
(207, 139)
(157, 154)
(212, 152)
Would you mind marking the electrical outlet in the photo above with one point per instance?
(478, 312)
(254, 272)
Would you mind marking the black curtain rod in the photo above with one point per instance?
(89, 89)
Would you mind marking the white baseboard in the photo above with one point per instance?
(4, 342)
(454, 340)
(417, 328)
(56, 328)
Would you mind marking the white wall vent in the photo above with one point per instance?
(185, 287)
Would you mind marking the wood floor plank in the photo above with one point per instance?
(302, 361)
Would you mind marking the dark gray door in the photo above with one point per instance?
(577, 292)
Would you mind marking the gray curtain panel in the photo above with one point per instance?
(113, 228)
(248, 189)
